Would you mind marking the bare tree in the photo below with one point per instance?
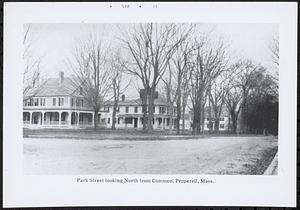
(180, 61)
(117, 66)
(31, 74)
(185, 94)
(274, 49)
(208, 63)
(216, 97)
(241, 82)
(170, 87)
(91, 73)
(274, 53)
(151, 46)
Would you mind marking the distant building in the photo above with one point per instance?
(224, 121)
(130, 114)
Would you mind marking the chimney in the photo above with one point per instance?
(61, 77)
(123, 98)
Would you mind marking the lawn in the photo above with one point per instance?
(206, 155)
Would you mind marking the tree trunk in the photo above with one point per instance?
(234, 121)
(197, 119)
(150, 109)
(95, 118)
(209, 116)
(178, 104)
(171, 112)
(202, 117)
(113, 126)
(217, 124)
(183, 118)
(216, 118)
(144, 101)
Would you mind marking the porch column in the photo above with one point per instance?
(138, 122)
(69, 118)
(77, 122)
(30, 118)
(42, 118)
(59, 118)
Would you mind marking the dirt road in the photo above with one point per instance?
(215, 155)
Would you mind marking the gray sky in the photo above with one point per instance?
(54, 42)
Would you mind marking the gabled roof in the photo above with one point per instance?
(52, 87)
(69, 87)
(138, 102)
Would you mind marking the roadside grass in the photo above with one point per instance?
(119, 134)
(260, 164)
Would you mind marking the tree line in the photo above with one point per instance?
(191, 69)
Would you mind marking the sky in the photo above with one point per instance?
(54, 43)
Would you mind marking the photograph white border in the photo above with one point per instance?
(227, 190)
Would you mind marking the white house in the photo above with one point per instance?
(56, 104)
(130, 115)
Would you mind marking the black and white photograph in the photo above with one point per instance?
(149, 104)
(150, 98)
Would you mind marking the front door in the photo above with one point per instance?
(135, 122)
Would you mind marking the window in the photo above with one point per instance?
(60, 101)
(162, 110)
(27, 103)
(222, 126)
(108, 120)
(126, 109)
(80, 90)
(153, 109)
(118, 120)
(81, 103)
(118, 109)
(35, 102)
(41, 102)
(222, 119)
(72, 101)
(54, 102)
(135, 109)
